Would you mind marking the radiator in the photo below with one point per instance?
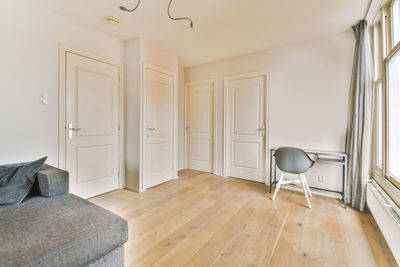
(387, 215)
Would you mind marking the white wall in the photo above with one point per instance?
(139, 51)
(308, 88)
(132, 104)
(29, 41)
(181, 117)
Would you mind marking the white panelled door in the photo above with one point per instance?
(246, 128)
(92, 104)
(199, 127)
(159, 88)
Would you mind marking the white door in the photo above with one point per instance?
(159, 88)
(91, 125)
(199, 127)
(246, 128)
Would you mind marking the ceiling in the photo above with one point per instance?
(222, 28)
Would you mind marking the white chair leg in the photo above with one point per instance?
(305, 181)
(278, 186)
(305, 190)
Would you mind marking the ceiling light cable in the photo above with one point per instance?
(168, 11)
(185, 18)
(130, 10)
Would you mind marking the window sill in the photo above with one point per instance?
(388, 187)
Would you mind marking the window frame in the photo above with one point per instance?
(378, 168)
(395, 181)
(378, 48)
(391, 23)
(387, 50)
(385, 29)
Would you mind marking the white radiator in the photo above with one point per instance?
(387, 215)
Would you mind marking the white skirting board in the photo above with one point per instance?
(387, 216)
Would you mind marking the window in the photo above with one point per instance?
(377, 49)
(395, 25)
(386, 55)
(379, 125)
(393, 115)
(384, 30)
(376, 38)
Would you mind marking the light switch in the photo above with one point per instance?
(44, 99)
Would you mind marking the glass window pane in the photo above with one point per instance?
(377, 51)
(394, 117)
(396, 22)
(385, 33)
(379, 126)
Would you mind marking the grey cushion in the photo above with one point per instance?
(17, 180)
(52, 182)
(60, 231)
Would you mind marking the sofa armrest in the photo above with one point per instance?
(52, 181)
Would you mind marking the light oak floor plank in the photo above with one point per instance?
(202, 219)
(261, 251)
(245, 237)
(190, 237)
(207, 254)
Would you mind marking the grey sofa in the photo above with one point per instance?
(55, 228)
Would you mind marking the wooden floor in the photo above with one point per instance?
(202, 220)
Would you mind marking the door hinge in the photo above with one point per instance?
(119, 127)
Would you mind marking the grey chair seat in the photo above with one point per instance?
(62, 231)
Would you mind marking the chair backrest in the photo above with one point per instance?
(293, 160)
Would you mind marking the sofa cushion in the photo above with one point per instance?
(60, 231)
(52, 181)
(17, 180)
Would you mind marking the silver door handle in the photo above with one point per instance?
(71, 129)
(262, 129)
(151, 129)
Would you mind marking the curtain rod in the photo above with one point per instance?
(367, 10)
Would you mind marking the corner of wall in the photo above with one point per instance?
(132, 103)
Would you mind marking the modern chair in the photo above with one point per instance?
(293, 161)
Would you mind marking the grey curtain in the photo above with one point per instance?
(359, 128)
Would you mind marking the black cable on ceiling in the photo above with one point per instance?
(184, 18)
(130, 10)
(168, 11)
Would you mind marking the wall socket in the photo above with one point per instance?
(321, 178)
(44, 99)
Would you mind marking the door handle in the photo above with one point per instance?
(71, 129)
(262, 129)
(149, 129)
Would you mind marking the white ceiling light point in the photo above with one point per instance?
(112, 20)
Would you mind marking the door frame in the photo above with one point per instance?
(62, 127)
(143, 131)
(214, 134)
(266, 116)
